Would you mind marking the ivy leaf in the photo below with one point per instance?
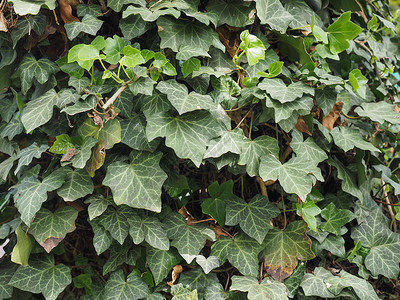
(179, 34)
(116, 5)
(114, 48)
(78, 184)
(308, 210)
(253, 150)
(326, 99)
(242, 253)
(132, 288)
(233, 13)
(133, 133)
(25, 25)
(215, 206)
(149, 15)
(283, 248)
(62, 144)
(230, 141)
(272, 12)
(335, 218)
(139, 183)
(267, 289)
(308, 149)
(359, 82)
(188, 239)
(97, 205)
(341, 31)
(208, 264)
(89, 24)
(379, 112)
(161, 262)
(334, 244)
(315, 285)
(102, 239)
(39, 69)
(49, 229)
(183, 101)
(120, 254)
(22, 249)
(115, 221)
(348, 181)
(274, 70)
(155, 103)
(253, 47)
(181, 292)
(133, 26)
(190, 65)
(195, 279)
(24, 7)
(132, 57)
(32, 193)
(84, 152)
(149, 229)
(193, 129)
(7, 269)
(383, 257)
(39, 110)
(50, 280)
(294, 175)
(253, 217)
(284, 111)
(347, 138)
(278, 90)
(26, 155)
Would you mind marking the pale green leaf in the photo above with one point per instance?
(234, 13)
(27, 154)
(349, 137)
(77, 185)
(207, 264)
(194, 130)
(23, 247)
(267, 289)
(137, 184)
(49, 229)
(42, 276)
(273, 13)
(284, 111)
(183, 101)
(115, 221)
(359, 82)
(334, 244)
(102, 239)
(379, 112)
(241, 251)
(278, 90)
(149, 15)
(308, 210)
(83, 153)
(335, 218)
(283, 249)
(97, 205)
(24, 7)
(149, 229)
(119, 288)
(308, 149)
(161, 262)
(231, 141)
(133, 26)
(89, 24)
(253, 217)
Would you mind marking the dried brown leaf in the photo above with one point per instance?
(175, 274)
(329, 120)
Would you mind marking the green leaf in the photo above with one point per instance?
(379, 112)
(181, 292)
(115, 221)
(49, 229)
(132, 57)
(253, 47)
(295, 176)
(383, 257)
(326, 99)
(308, 149)
(149, 229)
(132, 288)
(50, 280)
(253, 150)
(161, 262)
(24, 7)
(274, 70)
(195, 279)
(39, 110)
(335, 245)
(7, 270)
(77, 185)
(231, 141)
(188, 239)
(89, 24)
(148, 15)
(267, 289)
(349, 137)
(286, 111)
(208, 264)
(133, 26)
(278, 90)
(116, 5)
(120, 254)
(341, 31)
(39, 69)
(233, 13)
(308, 210)
(335, 218)
(26, 24)
(241, 251)
(27, 154)
(215, 207)
(253, 217)
(61, 144)
(294, 47)
(272, 12)
(179, 34)
(183, 101)
(102, 239)
(83, 281)
(359, 82)
(23, 247)
(190, 65)
(283, 248)
(84, 55)
(137, 184)
(113, 49)
(32, 193)
(194, 130)
(97, 205)
(83, 153)
(107, 136)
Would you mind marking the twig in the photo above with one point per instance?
(118, 93)
(350, 117)
(241, 121)
(263, 188)
(390, 209)
(385, 203)
(284, 212)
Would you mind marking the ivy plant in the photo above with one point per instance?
(187, 149)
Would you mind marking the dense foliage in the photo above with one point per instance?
(195, 149)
